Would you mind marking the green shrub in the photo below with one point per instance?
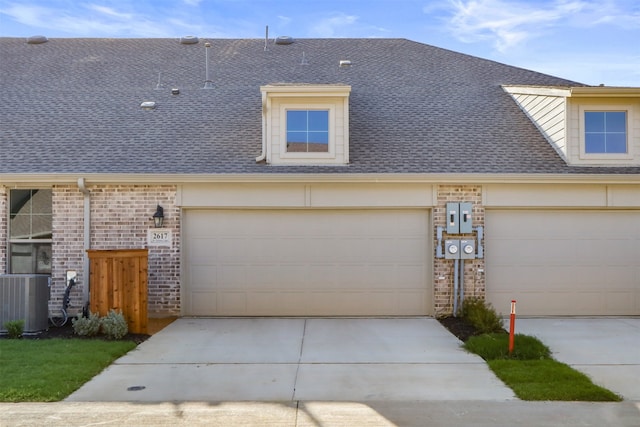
(114, 325)
(86, 326)
(14, 328)
(482, 316)
(496, 346)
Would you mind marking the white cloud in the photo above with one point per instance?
(507, 23)
(333, 26)
(112, 13)
(284, 20)
(28, 15)
(107, 21)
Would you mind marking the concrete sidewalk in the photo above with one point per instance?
(307, 414)
(606, 349)
(274, 359)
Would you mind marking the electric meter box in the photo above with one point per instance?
(459, 219)
(453, 218)
(467, 249)
(452, 249)
(465, 218)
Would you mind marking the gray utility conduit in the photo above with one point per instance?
(87, 239)
(458, 285)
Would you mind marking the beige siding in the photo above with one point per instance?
(548, 114)
(561, 195)
(624, 196)
(296, 195)
(545, 195)
(307, 262)
(569, 262)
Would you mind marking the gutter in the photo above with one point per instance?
(442, 178)
(87, 239)
(263, 155)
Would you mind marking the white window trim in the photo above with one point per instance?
(17, 240)
(329, 106)
(629, 155)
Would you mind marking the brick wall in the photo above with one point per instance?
(120, 218)
(4, 194)
(67, 248)
(474, 280)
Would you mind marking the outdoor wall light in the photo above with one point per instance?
(158, 217)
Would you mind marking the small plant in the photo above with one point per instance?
(114, 325)
(86, 326)
(14, 328)
(482, 316)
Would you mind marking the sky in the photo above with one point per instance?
(588, 41)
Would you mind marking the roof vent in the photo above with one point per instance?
(345, 63)
(189, 40)
(148, 105)
(175, 91)
(208, 84)
(37, 40)
(284, 40)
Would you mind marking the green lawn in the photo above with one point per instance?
(50, 370)
(532, 373)
(549, 380)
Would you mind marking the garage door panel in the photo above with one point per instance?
(204, 276)
(351, 262)
(201, 302)
(564, 262)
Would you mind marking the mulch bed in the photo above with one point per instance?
(458, 327)
(67, 332)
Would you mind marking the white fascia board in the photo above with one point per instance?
(605, 91)
(537, 90)
(293, 90)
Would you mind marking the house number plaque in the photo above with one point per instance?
(159, 237)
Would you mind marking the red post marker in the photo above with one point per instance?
(512, 325)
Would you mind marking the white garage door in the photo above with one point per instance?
(564, 262)
(307, 262)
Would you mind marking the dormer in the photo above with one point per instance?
(586, 125)
(305, 124)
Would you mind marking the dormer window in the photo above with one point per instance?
(586, 125)
(605, 132)
(305, 124)
(307, 131)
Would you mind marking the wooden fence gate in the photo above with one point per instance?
(118, 280)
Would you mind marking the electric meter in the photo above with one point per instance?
(467, 249)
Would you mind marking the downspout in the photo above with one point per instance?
(263, 155)
(87, 240)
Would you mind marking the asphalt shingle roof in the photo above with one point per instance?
(73, 106)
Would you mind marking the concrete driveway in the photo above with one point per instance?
(275, 359)
(606, 349)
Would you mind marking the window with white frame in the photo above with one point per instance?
(30, 231)
(605, 132)
(307, 131)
